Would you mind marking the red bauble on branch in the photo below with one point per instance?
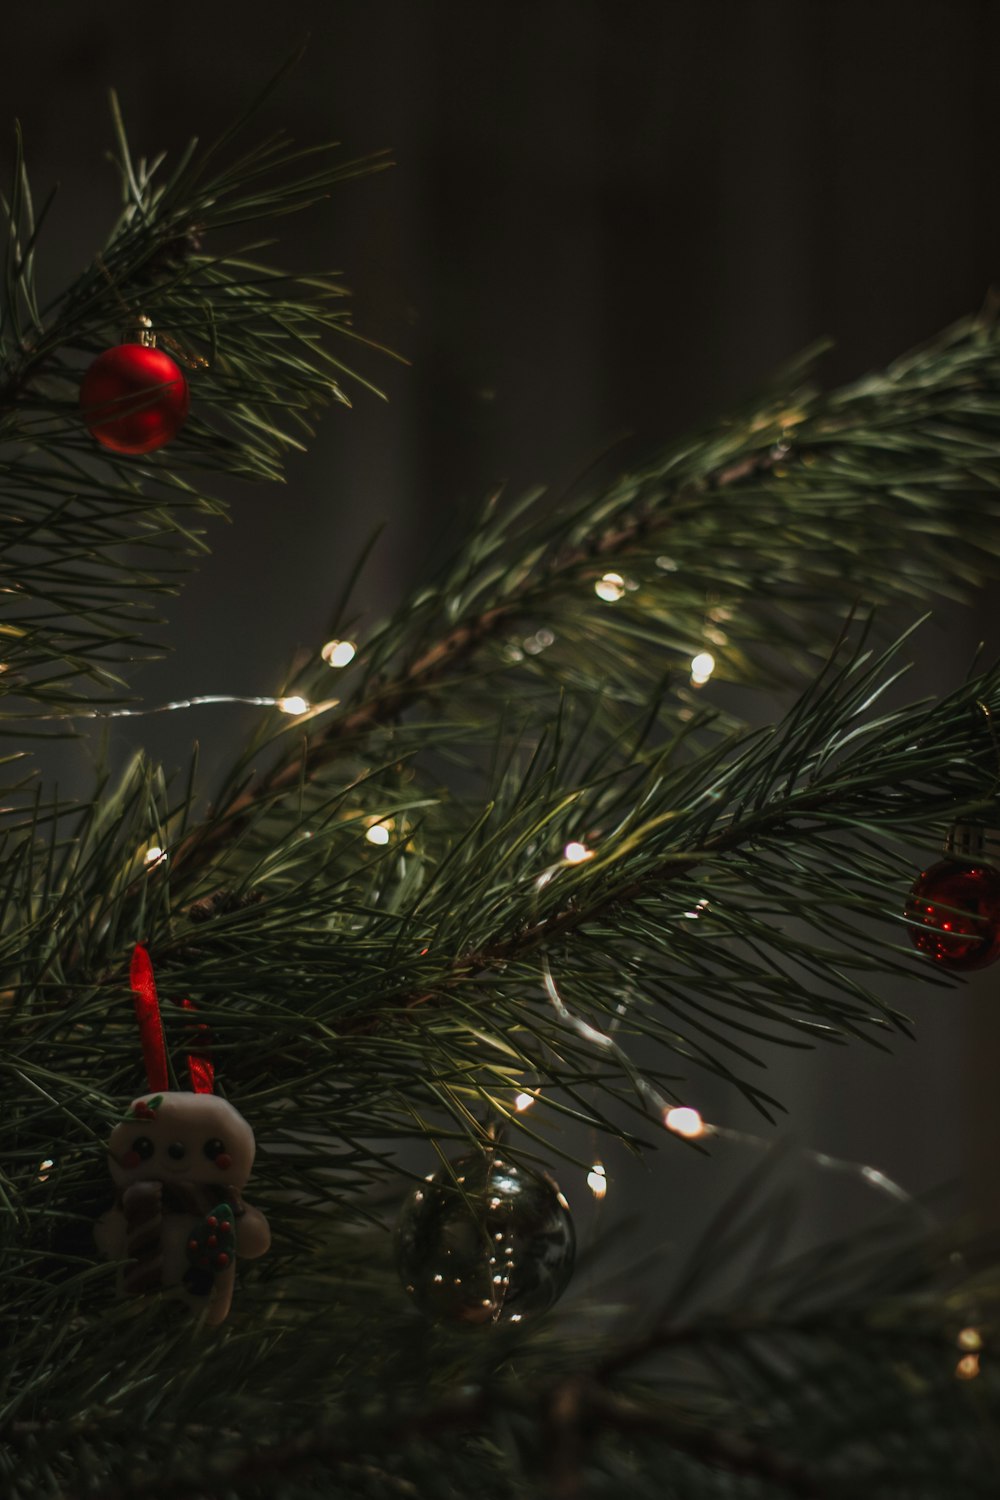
(955, 905)
(134, 398)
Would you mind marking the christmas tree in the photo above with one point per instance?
(493, 890)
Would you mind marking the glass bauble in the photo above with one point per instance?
(955, 905)
(134, 399)
(485, 1241)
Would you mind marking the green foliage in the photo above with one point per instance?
(90, 538)
(744, 887)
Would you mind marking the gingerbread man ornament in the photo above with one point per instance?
(180, 1162)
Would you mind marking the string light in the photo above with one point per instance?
(339, 653)
(610, 588)
(702, 667)
(523, 1102)
(290, 705)
(970, 1338)
(539, 642)
(575, 853)
(378, 833)
(685, 1121)
(43, 1175)
(967, 1367)
(153, 855)
(597, 1180)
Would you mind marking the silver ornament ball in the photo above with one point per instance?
(485, 1241)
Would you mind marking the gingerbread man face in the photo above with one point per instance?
(191, 1137)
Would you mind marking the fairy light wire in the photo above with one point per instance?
(685, 1121)
(680, 1120)
(336, 653)
(292, 704)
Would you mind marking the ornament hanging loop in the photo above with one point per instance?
(147, 1013)
(201, 1069)
(985, 711)
(966, 838)
(140, 331)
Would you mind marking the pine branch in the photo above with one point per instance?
(77, 513)
(740, 888)
(819, 1378)
(885, 490)
(431, 967)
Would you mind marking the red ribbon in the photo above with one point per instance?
(147, 1013)
(201, 1069)
(154, 1051)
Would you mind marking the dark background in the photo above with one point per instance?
(607, 221)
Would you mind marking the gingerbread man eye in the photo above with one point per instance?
(216, 1152)
(142, 1149)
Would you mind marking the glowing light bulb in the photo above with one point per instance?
(702, 667)
(967, 1367)
(293, 705)
(43, 1172)
(597, 1180)
(538, 642)
(339, 653)
(610, 588)
(685, 1122)
(575, 853)
(524, 1101)
(378, 833)
(153, 854)
(969, 1338)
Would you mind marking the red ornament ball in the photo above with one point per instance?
(956, 907)
(134, 399)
